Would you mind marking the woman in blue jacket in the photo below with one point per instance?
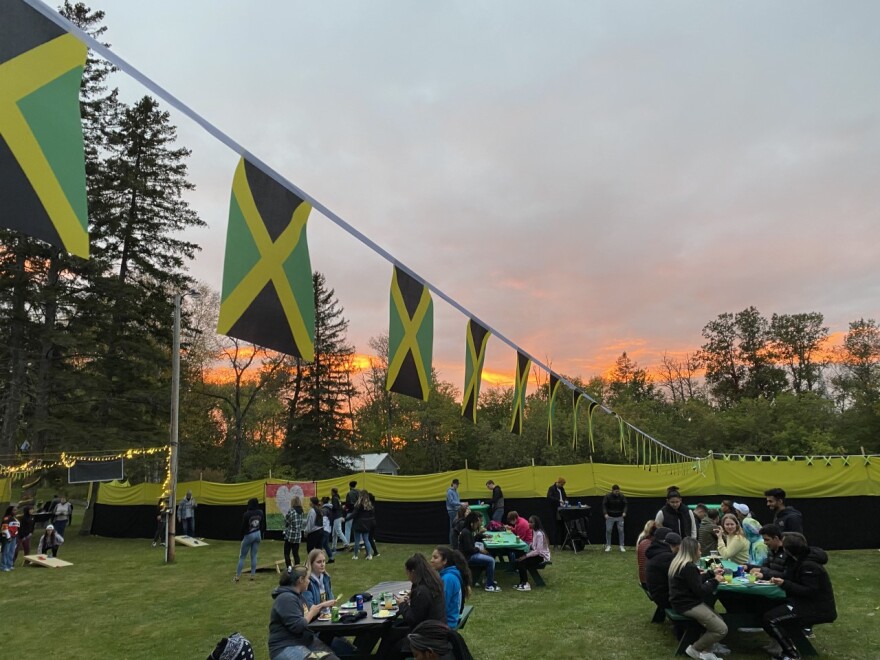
(319, 580)
(456, 578)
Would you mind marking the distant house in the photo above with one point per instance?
(377, 463)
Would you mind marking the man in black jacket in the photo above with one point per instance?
(659, 555)
(787, 518)
(614, 508)
(774, 564)
(557, 498)
(497, 501)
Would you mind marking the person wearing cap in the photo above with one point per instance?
(50, 542)
(186, 514)
(453, 504)
(752, 529)
(614, 508)
(557, 499)
(659, 555)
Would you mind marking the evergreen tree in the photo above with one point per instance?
(318, 434)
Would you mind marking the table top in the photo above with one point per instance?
(368, 622)
(504, 541)
(573, 512)
(743, 586)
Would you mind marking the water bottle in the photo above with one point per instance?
(359, 601)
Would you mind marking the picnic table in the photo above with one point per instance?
(367, 631)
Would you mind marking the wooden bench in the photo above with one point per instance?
(536, 577)
(690, 629)
(463, 617)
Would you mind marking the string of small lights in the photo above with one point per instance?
(68, 460)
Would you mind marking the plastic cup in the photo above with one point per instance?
(752, 578)
(728, 578)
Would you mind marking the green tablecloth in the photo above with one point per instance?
(505, 541)
(483, 510)
(743, 586)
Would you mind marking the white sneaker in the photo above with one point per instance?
(354, 556)
(607, 548)
(493, 588)
(691, 652)
(526, 587)
(622, 549)
(369, 557)
(720, 649)
(708, 655)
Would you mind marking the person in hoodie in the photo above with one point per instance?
(327, 510)
(25, 532)
(320, 588)
(642, 545)
(706, 531)
(253, 524)
(677, 517)
(289, 635)
(787, 518)
(456, 577)
(659, 555)
(809, 595)
(774, 563)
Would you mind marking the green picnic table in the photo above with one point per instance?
(504, 542)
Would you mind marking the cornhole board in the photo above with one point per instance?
(190, 541)
(48, 562)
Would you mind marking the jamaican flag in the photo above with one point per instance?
(519, 392)
(42, 161)
(410, 336)
(268, 296)
(475, 353)
(554, 388)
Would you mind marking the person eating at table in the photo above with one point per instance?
(319, 588)
(456, 577)
(642, 544)
(478, 557)
(732, 543)
(688, 590)
(431, 640)
(289, 635)
(774, 563)
(424, 602)
(539, 552)
(706, 531)
(519, 526)
(659, 555)
(459, 523)
(809, 595)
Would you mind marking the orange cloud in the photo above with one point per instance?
(498, 378)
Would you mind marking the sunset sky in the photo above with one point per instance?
(588, 178)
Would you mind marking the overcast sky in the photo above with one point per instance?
(586, 177)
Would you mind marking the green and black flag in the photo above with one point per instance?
(42, 161)
(519, 392)
(554, 388)
(410, 337)
(590, 409)
(268, 296)
(475, 353)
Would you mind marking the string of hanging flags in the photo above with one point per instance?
(267, 293)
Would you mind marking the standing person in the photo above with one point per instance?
(50, 542)
(456, 577)
(253, 523)
(614, 508)
(642, 544)
(289, 634)
(371, 536)
(477, 556)
(706, 531)
(809, 595)
(453, 503)
(557, 499)
(186, 514)
(424, 602)
(9, 527)
(687, 591)
(327, 511)
(294, 520)
(787, 518)
(314, 527)
(63, 514)
(351, 498)
(732, 543)
(159, 536)
(676, 517)
(363, 520)
(497, 501)
(25, 532)
(539, 553)
(338, 521)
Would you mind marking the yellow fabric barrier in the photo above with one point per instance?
(5, 490)
(715, 477)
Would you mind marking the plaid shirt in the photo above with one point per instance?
(293, 526)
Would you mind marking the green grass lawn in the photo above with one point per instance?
(120, 601)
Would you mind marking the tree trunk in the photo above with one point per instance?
(17, 359)
(47, 355)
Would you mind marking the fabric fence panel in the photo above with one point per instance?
(798, 478)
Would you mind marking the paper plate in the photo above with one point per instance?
(348, 606)
(385, 614)
(325, 617)
(403, 592)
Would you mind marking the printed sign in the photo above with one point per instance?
(279, 497)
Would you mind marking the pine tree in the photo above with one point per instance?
(317, 438)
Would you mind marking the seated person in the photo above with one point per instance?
(432, 640)
(752, 530)
(688, 591)
(458, 524)
(319, 580)
(539, 552)
(659, 555)
(289, 635)
(456, 578)
(519, 526)
(809, 595)
(774, 563)
(706, 531)
(50, 542)
(477, 556)
(732, 542)
(424, 602)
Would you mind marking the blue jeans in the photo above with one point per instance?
(452, 515)
(188, 526)
(60, 526)
(365, 538)
(486, 561)
(250, 543)
(609, 527)
(328, 549)
(339, 532)
(8, 554)
(498, 515)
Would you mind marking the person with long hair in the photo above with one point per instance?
(289, 635)
(456, 577)
(458, 524)
(732, 543)
(50, 542)
(476, 556)
(363, 519)
(688, 590)
(25, 532)
(371, 535)
(539, 552)
(809, 595)
(642, 544)
(319, 580)
(424, 602)
(294, 521)
(314, 527)
(253, 524)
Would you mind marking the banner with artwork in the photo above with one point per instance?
(279, 496)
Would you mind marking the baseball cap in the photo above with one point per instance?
(742, 508)
(673, 539)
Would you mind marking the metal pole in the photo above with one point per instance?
(170, 528)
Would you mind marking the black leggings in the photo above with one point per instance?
(777, 622)
(372, 536)
(527, 563)
(288, 546)
(315, 540)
